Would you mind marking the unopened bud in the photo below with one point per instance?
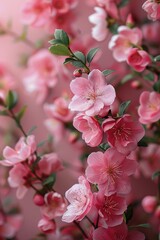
(77, 73)
(130, 22)
(149, 203)
(136, 84)
(38, 200)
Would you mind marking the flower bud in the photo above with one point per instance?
(38, 200)
(77, 73)
(149, 203)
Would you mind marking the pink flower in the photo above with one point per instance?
(100, 31)
(138, 59)
(152, 7)
(41, 74)
(36, 12)
(48, 164)
(91, 94)
(55, 205)
(110, 170)
(121, 43)
(23, 150)
(149, 109)
(18, 176)
(124, 134)
(80, 198)
(47, 226)
(110, 7)
(59, 109)
(62, 6)
(111, 208)
(91, 131)
(117, 233)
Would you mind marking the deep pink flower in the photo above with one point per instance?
(121, 43)
(110, 170)
(36, 12)
(124, 134)
(152, 7)
(18, 179)
(92, 94)
(23, 150)
(149, 109)
(55, 205)
(41, 74)
(91, 131)
(80, 198)
(111, 208)
(47, 226)
(99, 31)
(138, 59)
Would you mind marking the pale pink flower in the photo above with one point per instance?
(59, 109)
(110, 7)
(80, 198)
(18, 179)
(91, 131)
(149, 203)
(41, 74)
(55, 205)
(117, 233)
(99, 31)
(149, 109)
(47, 226)
(124, 134)
(24, 148)
(62, 6)
(92, 94)
(111, 208)
(48, 164)
(110, 170)
(138, 59)
(152, 7)
(36, 12)
(122, 42)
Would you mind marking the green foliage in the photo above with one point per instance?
(91, 54)
(149, 76)
(156, 86)
(104, 146)
(107, 72)
(123, 107)
(80, 56)
(127, 78)
(155, 175)
(60, 49)
(49, 181)
(11, 100)
(123, 3)
(21, 113)
(157, 58)
(61, 35)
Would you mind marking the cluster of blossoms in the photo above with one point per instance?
(90, 114)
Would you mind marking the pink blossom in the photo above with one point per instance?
(110, 170)
(111, 208)
(138, 59)
(91, 131)
(117, 233)
(55, 205)
(59, 109)
(121, 43)
(124, 134)
(110, 6)
(47, 226)
(36, 12)
(24, 148)
(41, 74)
(149, 109)
(62, 6)
(100, 31)
(80, 198)
(18, 176)
(48, 164)
(149, 203)
(152, 7)
(92, 94)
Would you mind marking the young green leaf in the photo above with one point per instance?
(155, 175)
(123, 107)
(157, 58)
(59, 49)
(80, 56)
(107, 72)
(62, 35)
(50, 180)
(156, 86)
(11, 100)
(91, 54)
(21, 113)
(77, 63)
(104, 146)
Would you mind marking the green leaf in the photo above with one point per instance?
(156, 86)
(68, 60)
(130, 210)
(62, 35)
(3, 113)
(107, 72)
(123, 3)
(31, 130)
(80, 56)
(50, 180)
(21, 113)
(104, 146)
(155, 175)
(114, 28)
(91, 54)
(157, 58)
(142, 143)
(143, 225)
(55, 41)
(77, 63)
(149, 76)
(11, 99)
(127, 78)
(123, 107)
(59, 49)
